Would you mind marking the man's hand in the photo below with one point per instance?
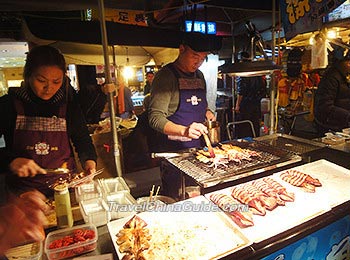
(195, 130)
(210, 116)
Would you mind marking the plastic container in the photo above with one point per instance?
(88, 191)
(31, 251)
(120, 204)
(113, 185)
(54, 251)
(95, 211)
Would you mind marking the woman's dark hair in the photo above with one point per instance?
(43, 55)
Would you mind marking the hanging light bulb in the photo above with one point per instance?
(331, 34)
(312, 40)
(128, 71)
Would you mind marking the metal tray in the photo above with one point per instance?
(291, 143)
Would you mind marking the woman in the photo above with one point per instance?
(42, 122)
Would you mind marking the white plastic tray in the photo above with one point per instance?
(217, 239)
(334, 191)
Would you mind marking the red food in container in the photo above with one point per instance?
(71, 242)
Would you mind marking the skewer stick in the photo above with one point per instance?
(157, 192)
(151, 193)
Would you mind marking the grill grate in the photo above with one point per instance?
(203, 174)
(292, 145)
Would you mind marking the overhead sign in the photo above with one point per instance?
(341, 12)
(300, 16)
(122, 16)
(199, 26)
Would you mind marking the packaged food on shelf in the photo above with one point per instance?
(71, 242)
(95, 211)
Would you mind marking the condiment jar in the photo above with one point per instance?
(64, 214)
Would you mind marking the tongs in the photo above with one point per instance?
(168, 155)
(85, 178)
(57, 171)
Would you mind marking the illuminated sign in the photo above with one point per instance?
(199, 26)
(341, 12)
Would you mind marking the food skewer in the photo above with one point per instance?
(157, 192)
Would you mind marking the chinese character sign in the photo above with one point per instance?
(199, 26)
(122, 16)
(300, 16)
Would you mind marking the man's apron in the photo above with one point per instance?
(192, 108)
(45, 140)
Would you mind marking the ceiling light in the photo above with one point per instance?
(331, 34)
(312, 40)
(249, 68)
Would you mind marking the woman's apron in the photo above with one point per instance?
(45, 140)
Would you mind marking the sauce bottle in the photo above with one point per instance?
(64, 214)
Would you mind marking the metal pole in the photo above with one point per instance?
(233, 83)
(108, 77)
(273, 85)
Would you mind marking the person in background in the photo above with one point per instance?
(91, 97)
(124, 101)
(149, 80)
(43, 120)
(178, 106)
(332, 97)
(22, 220)
(141, 142)
(250, 91)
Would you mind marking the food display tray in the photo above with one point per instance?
(334, 191)
(197, 232)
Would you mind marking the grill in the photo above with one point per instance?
(270, 158)
(291, 143)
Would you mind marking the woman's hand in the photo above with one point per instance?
(90, 166)
(24, 167)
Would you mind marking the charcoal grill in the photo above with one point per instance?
(270, 158)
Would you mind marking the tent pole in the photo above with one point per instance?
(273, 81)
(108, 78)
